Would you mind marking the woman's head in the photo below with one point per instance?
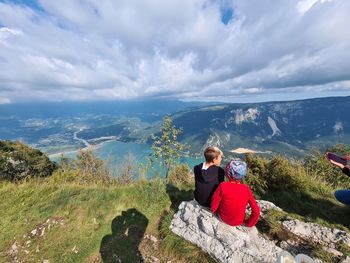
(236, 170)
(213, 155)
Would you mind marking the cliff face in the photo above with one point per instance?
(293, 125)
(230, 244)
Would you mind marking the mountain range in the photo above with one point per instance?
(290, 127)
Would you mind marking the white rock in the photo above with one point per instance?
(265, 206)
(319, 234)
(14, 249)
(286, 257)
(154, 259)
(225, 243)
(42, 231)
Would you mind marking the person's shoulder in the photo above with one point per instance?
(198, 166)
(226, 185)
(221, 169)
(245, 187)
(216, 168)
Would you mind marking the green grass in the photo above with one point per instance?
(94, 218)
(100, 223)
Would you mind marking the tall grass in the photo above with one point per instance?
(299, 187)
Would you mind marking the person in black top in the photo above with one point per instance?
(342, 196)
(208, 176)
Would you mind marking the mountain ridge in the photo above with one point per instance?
(299, 123)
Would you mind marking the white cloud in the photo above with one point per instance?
(6, 33)
(87, 50)
(305, 5)
(4, 100)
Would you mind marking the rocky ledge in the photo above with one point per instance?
(229, 244)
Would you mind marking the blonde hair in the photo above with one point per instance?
(211, 153)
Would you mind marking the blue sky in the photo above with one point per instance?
(30, 3)
(232, 51)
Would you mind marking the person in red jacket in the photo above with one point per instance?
(230, 199)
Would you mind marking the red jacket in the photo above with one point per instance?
(230, 201)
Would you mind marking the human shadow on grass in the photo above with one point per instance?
(309, 206)
(127, 233)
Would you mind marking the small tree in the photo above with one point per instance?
(127, 168)
(91, 168)
(166, 146)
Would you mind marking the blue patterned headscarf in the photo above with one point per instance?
(236, 169)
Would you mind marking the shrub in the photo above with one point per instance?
(18, 161)
(276, 174)
(286, 176)
(256, 174)
(181, 176)
(65, 176)
(317, 164)
(91, 168)
(127, 171)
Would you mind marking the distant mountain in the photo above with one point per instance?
(284, 127)
(290, 128)
(149, 109)
(46, 124)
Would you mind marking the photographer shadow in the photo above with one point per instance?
(127, 233)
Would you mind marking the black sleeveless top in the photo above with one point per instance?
(206, 182)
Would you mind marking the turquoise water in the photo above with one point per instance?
(115, 154)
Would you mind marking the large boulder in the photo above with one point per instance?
(319, 234)
(221, 241)
(229, 244)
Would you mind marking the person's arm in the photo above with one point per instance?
(254, 216)
(345, 168)
(340, 165)
(215, 200)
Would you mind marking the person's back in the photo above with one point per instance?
(230, 199)
(206, 182)
(208, 176)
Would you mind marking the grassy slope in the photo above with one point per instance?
(114, 219)
(87, 214)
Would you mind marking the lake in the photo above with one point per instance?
(115, 153)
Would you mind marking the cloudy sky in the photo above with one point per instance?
(233, 51)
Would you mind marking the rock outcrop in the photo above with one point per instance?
(318, 234)
(229, 244)
(223, 242)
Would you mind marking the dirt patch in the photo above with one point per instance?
(25, 249)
